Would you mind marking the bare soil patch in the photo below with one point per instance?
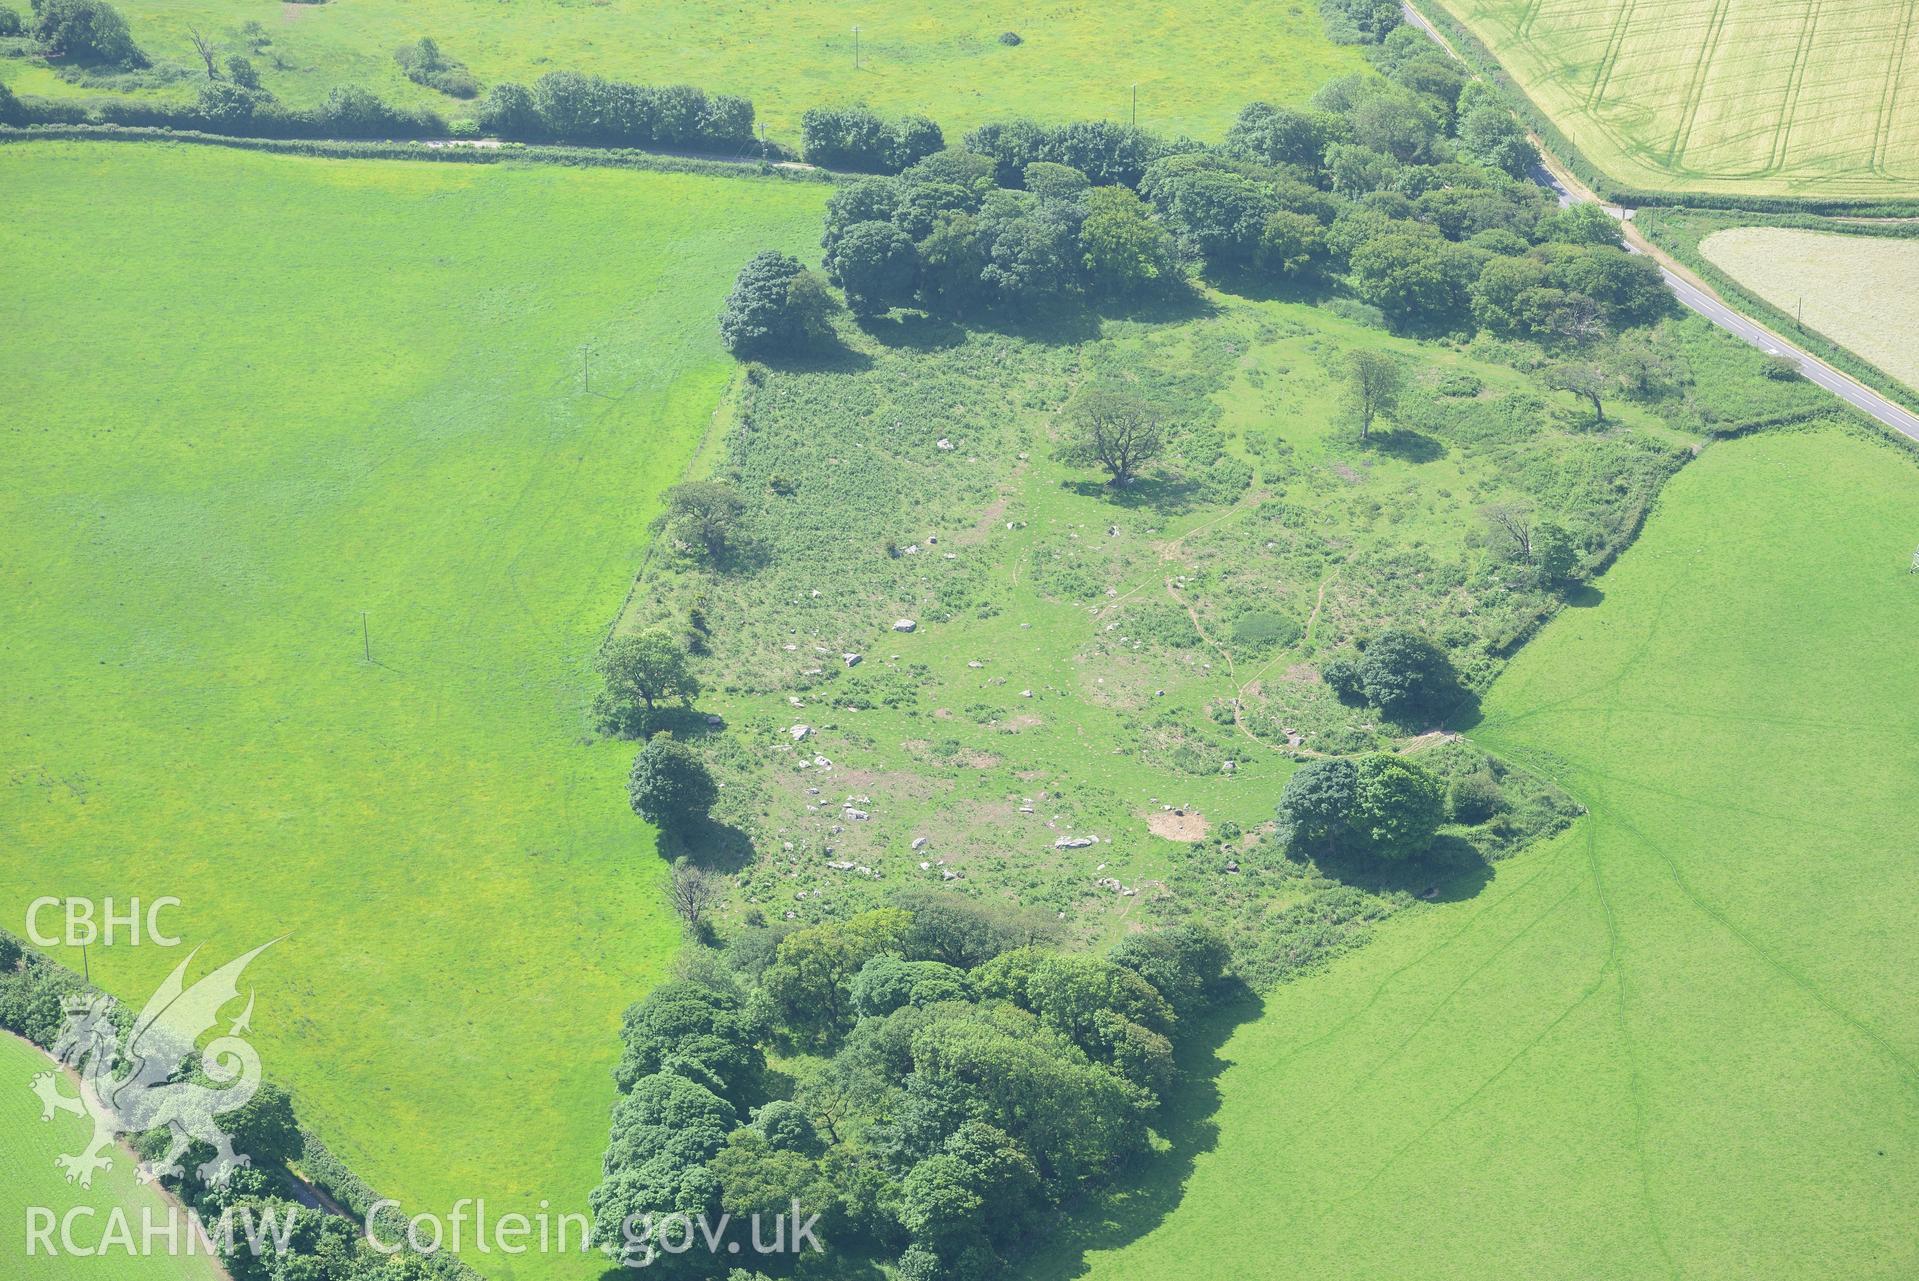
(1178, 825)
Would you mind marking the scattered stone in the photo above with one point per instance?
(905, 625)
(858, 816)
(943, 444)
(913, 549)
(1075, 842)
(1228, 767)
(925, 866)
(716, 722)
(840, 865)
(1231, 866)
(931, 539)
(799, 732)
(919, 842)
(1026, 693)
(948, 874)
(976, 663)
(853, 660)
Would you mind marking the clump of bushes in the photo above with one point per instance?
(1378, 806)
(1106, 153)
(968, 1082)
(565, 106)
(857, 138)
(1010, 38)
(776, 306)
(1360, 21)
(86, 31)
(227, 108)
(424, 64)
(11, 23)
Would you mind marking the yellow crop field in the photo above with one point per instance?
(1860, 291)
(1761, 97)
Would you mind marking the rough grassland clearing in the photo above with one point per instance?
(1687, 1025)
(1860, 291)
(246, 398)
(1757, 97)
(1196, 64)
(29, 1178)
(1083, 662)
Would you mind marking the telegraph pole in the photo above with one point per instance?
(1135, 104)
(856, 48)
(366, 638)
(586, 371)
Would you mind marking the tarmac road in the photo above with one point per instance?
(1695, 295)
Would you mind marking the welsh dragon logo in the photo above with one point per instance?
(140, 1083)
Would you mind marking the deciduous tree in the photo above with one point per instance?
(1373, 383)
(670, 786)
(1114, 430)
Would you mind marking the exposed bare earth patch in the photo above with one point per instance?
(1178, 825)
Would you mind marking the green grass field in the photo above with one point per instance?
(1195, 64)
(1677, 1040)
(1860, 291)
(1743, 96)
(30, 1180)
(305, 390)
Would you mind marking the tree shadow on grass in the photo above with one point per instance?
(1584, 596)
(708, 843)
(833, 357)
(1451, 869)
(913, 331)
(1403, 442)
(1153, 1187)
(1164, 495)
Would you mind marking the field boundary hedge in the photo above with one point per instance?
(452, 152)
(1481, 59)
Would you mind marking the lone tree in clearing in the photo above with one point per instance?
(1587, 379)
(1379, 805)
(641, 672)
(704, 516)
(1373, 384)
(670, 786)
(691, 891)
(1110, 429)
(776, 305)
(1515, 525)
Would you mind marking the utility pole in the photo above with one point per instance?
(366, 638)
(1799, 314)
(856, 48)
(586, 371)
(1135, 104)
(86, 970)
